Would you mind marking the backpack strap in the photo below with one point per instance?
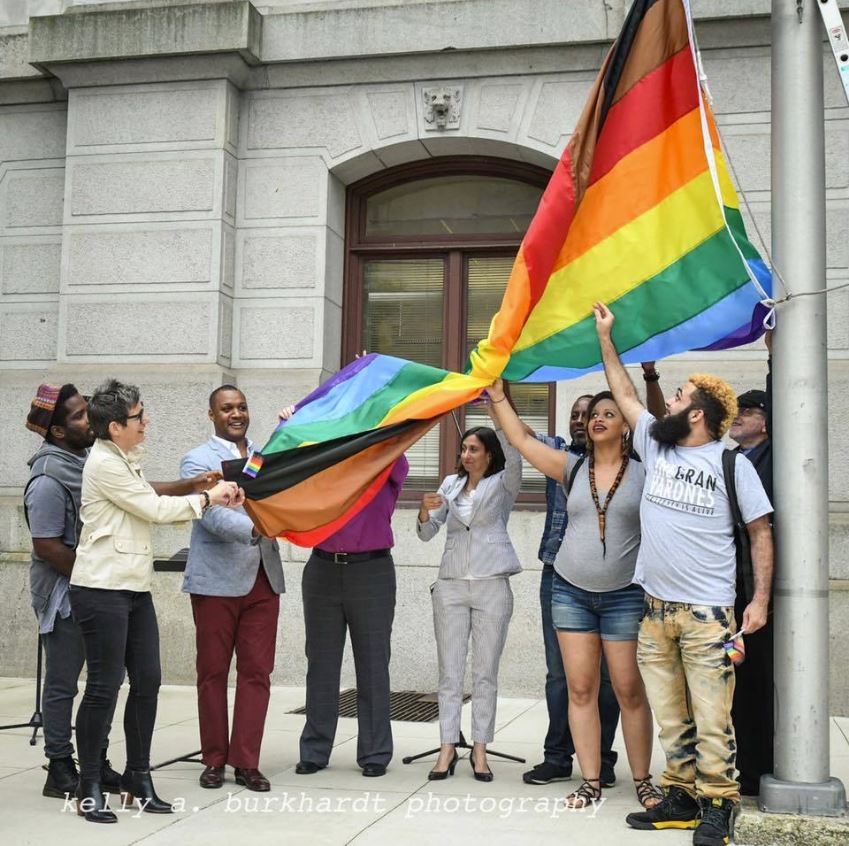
(745, 574)
(571, 480)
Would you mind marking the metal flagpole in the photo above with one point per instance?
(801, 782)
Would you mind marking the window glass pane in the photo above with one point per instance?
(453, 205)
(402, 316)
(487, 278)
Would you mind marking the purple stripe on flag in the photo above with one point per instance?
(338, 378)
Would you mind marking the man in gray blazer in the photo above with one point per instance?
(235, 579)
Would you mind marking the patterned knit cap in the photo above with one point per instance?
(42, 408)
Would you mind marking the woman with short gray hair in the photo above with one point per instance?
(110, 593)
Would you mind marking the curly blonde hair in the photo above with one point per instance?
(722, 393)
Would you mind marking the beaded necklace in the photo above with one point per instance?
(602, 510)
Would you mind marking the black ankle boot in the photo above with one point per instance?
(137, 785)
(62, 778)
(110, 780)
(91, 803)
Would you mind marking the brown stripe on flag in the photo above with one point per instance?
(665, 26)
(661, 34)
(581, 147)
(321, 498)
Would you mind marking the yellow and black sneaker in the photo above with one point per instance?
(714, 828)
(678, 810)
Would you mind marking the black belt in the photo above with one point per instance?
(350, 557)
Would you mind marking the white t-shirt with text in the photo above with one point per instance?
(687, 552)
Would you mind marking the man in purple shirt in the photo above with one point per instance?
(349, 584)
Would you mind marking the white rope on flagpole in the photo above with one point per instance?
(767, 301)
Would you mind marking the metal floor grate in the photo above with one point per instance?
(410, 706)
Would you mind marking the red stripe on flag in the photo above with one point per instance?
(315, 536)
(649, 108)
(547, 231)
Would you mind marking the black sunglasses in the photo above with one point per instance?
(138, 416)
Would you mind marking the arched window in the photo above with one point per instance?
(429, 251)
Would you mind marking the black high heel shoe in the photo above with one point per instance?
(440, 775)
(487, 776)
(137, 786)
(91, 803)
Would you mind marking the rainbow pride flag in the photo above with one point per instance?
(639, 213)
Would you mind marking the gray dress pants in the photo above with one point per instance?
(358, 597)
(482, 608)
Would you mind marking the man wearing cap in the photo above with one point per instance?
(753, 711)
(52, 496)
(52, 511)
(687, 568)
(751, 431)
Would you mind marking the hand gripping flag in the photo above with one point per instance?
(640, 213)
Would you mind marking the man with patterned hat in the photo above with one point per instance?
(687, 567)
(753, 710)
(59, 414)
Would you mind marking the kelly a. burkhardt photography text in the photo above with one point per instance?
(375, 803)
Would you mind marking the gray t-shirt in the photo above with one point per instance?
(687, 552)
(50, 511)
(580, 559)
(51, 514)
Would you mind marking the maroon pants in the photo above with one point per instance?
(246, 625)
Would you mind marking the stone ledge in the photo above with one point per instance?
(14, 56)
(757, 829)
(138, 32)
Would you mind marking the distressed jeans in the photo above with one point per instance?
(689, 680)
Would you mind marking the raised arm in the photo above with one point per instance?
(621, 386)
(655, 402)
(551, 462)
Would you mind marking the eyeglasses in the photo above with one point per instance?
(139, 416)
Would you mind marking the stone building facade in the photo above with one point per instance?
(175, 183)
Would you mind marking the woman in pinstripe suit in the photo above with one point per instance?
(472, 594)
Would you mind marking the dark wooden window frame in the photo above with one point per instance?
(453, 249)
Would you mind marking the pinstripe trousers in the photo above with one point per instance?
(482, 608)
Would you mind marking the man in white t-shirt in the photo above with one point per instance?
(687, 567)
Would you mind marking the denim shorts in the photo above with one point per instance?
(615, 614)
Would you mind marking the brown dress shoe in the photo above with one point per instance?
(253, 779)
(212, 777)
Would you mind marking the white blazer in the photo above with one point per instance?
(482, 548)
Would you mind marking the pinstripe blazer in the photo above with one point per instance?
(482, 549)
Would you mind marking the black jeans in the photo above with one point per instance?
(119, 629)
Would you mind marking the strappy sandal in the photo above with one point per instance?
(585, 795)
(648, 795)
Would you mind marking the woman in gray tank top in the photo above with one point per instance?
(595, 605)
